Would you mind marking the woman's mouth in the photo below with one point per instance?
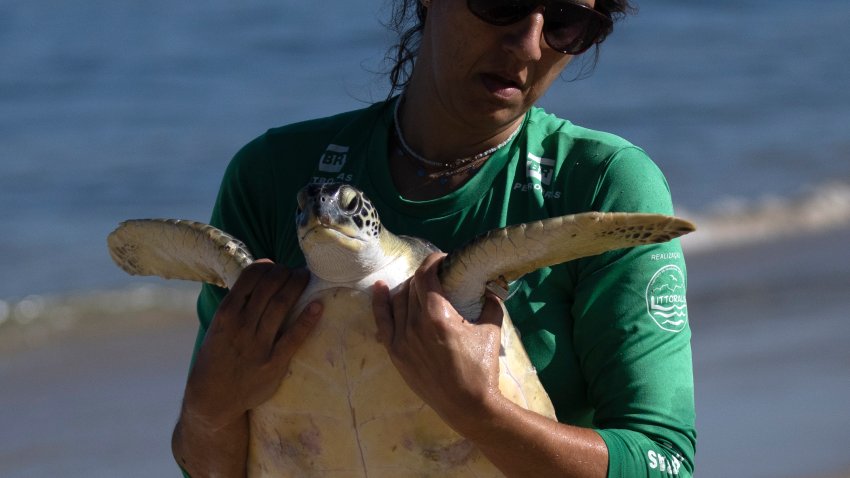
(500, 86)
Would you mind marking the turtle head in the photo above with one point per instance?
(339, 232)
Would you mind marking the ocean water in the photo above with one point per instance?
(120, 109)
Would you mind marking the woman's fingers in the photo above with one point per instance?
(270, 323)
(492, 312)
(274, 280)
(244, 357)
(295, 334)
(427, 282)
(231, 307)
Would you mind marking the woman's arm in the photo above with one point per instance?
(522, 443)
(636, 367)
(240, 364)
(454, 366)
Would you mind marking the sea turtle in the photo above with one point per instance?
(343, 410)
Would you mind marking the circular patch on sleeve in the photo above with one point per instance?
(665, 299)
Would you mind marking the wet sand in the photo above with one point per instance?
(771, 327)
(96, 403)
(771, 330)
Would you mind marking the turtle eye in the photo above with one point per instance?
(349, 201)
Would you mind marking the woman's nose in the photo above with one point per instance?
(524, 38)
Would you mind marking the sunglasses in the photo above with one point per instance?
(568, 27)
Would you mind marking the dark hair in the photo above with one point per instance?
(408, 21)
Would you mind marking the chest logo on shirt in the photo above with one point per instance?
(665, 299)
(538, 173)
(539, 168)
(334, 158)
(331, 163)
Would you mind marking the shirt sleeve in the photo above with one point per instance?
(248, 182)
(632, 336)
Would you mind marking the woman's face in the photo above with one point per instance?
(481, 74)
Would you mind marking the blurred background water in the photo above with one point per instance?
(118, 109)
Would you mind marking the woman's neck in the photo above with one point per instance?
(416, 176)
(429, 130)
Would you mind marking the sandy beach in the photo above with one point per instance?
(770, 324)
(95, 403)
(772, 366)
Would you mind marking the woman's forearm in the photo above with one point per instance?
(522, 443)
(202, 450)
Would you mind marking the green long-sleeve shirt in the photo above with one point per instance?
(608, 334)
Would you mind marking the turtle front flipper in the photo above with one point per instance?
(511, 252)
(178, 249)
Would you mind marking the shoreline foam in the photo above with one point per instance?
(37, 320)
(733, 223)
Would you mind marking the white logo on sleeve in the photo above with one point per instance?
(665, 299)
(659, 462)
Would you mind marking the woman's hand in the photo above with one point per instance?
(240, 364)
(247, 349)
(452, 364)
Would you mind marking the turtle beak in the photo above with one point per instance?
(322, 204)
(313, 203)
(324, 220)
(326, 204)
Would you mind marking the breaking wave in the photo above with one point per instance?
(36, 319)
(736, 222)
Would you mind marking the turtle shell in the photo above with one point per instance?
(343, 410)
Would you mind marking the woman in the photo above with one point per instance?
(462, 151)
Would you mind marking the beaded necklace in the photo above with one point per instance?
(447, 169)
